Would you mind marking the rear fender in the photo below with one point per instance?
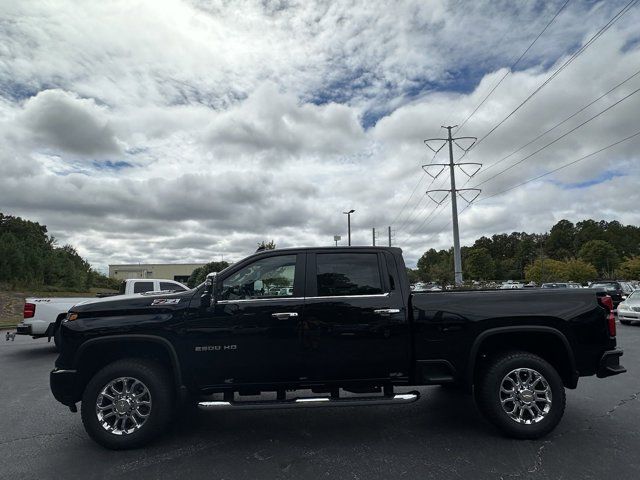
(571, 375)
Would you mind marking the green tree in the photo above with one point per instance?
(413, 275)
(630, 269)
(270, 245)
(602, 255)
(560, 243)
(479, 265)
(576, 270)
(436, 266)
(199, 274)
(545, 270)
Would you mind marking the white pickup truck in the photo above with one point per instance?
(42, 316)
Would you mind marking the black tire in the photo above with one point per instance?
(488, 396)
(625, 322)
(157, 381)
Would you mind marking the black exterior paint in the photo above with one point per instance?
(237, 345)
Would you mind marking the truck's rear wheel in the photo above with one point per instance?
(127, 404)
(522, 394)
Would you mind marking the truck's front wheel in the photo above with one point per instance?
(127, 404)
(522, 394)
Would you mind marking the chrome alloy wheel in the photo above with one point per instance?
(525, 395)
(123, 405)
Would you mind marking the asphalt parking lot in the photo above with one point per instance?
(440, 436)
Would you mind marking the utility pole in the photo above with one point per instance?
(389, 230)
(373, 231)
(453, 191)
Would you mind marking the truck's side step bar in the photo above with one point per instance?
(303, 402)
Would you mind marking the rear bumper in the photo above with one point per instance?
(610, 364)
(23, 329)
(64, 386)
(35, 328)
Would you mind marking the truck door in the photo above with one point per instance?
(355, 324)
(251, 334)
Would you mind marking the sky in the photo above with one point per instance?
(185, 131)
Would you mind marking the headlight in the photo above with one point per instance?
(71, 316)
(622, 306)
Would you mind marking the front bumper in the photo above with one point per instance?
(628, 315)
(64, 386)
(610, 364)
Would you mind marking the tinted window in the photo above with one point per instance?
(171, 286)
(268, 277)
(348, 274)
(142, 287)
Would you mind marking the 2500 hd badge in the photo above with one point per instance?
(215, 348)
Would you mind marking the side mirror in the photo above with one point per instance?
(209, 295)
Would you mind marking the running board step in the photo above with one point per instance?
(305, 402)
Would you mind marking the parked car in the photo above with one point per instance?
(42, 316)
(555, 285)
(613, 288)
(350, 324)
(629, 310)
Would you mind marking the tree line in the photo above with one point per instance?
(30, 258)
(579, 252)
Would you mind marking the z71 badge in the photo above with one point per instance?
(165, 301)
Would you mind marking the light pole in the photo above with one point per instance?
(348, 214)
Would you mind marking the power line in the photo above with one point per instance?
(558, 138)
(490, 166)
(427, 220)
(561, 167)
(512, 67)
(424, 174)
(595, 37)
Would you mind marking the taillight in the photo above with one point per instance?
(29, 310)
(607, 302)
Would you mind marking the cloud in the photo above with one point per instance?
(271, 121)
(193, 129)
(62, 121)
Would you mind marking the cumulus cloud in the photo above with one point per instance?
(189, 130)
(62, 121)
(273, 121)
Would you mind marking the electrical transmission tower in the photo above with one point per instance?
(436, 195)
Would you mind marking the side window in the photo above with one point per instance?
(171, 286)
(142, 287)
(348, 274)
(268, 277)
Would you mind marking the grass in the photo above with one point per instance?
(12, 302)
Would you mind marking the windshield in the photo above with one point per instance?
(606, 286)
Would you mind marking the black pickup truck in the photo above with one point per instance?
(340, 326)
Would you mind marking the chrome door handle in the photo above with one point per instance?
(387, 311)
(284, 315)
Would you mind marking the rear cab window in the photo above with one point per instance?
(142, 287)
(347, 274)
